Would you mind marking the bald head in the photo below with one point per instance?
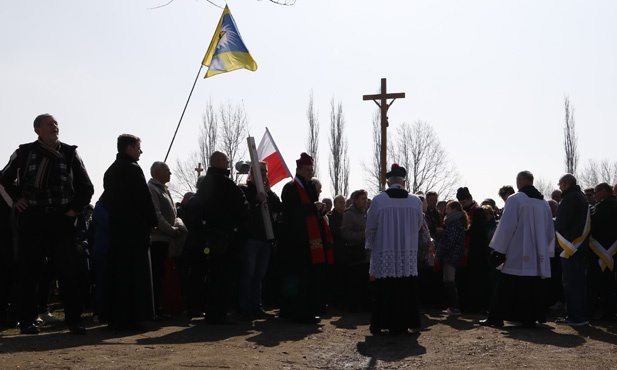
(567, 181)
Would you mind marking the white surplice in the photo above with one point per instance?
(392, 227)
(526, 235)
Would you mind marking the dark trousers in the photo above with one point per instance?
(193, 267)
(158, 252)
(575, 284)
(602, 286)
(48, 236)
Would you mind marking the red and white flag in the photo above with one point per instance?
(268, 152)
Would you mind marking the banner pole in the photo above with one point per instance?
(182, 115)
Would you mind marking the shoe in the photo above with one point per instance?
(491, 323)
(77, 329)
(47, 317)
(558, 306)
(567, 321)
(192, 314)
(220, 321)
(261, 314)
(308, 320)
(451, 312)
(32, 329)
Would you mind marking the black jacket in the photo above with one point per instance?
(222, 204)
(572, 213)
(256, 227)
(604, 221)
(128, 199)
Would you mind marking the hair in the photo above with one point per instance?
(357, 194)
(441, 202)
(488, 208)
(604, 186)
(395, 180)
(39, 119)
(525, 175)
(126, 140)
(432, 194)
(506, 190)
(340, 196)
(459, 207)
(217, 156)
(155, 167)
(568, 178)
(589, 190)
(422, 198)
(317, 183)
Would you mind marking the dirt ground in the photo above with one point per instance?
(341, 341)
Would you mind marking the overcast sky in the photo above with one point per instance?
(489, 76)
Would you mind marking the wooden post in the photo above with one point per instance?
(383, 105)
(259, 182)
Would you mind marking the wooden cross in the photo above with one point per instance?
(384, 105)
(199, 169)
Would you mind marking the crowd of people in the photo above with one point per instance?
(233, 252)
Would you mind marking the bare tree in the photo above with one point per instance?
(339, 161)
(544, 186)
(596, 172)
(428, 169)
(570, 141)
(373, 168)
(184, 176)
(208, 134)
(233, 133)
(312, 143)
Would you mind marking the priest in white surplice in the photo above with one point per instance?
(525, 238)
(392, 227)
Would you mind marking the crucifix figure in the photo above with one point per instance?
(382, 102)
(199, 169)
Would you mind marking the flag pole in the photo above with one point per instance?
(182, 115)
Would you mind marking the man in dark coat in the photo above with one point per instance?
(604, 245)
(49, 186)
(224, 214)
(473, 275)
(303, 254)
(131, 219)
(572, 226)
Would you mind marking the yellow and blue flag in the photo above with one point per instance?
(227, 51)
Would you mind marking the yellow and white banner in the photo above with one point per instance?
(606, 255)
(569, 248)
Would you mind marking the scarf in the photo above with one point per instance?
(451, 217)
(317, 249)
(49, 154)
(531, 192)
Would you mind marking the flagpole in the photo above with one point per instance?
(184, 110)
